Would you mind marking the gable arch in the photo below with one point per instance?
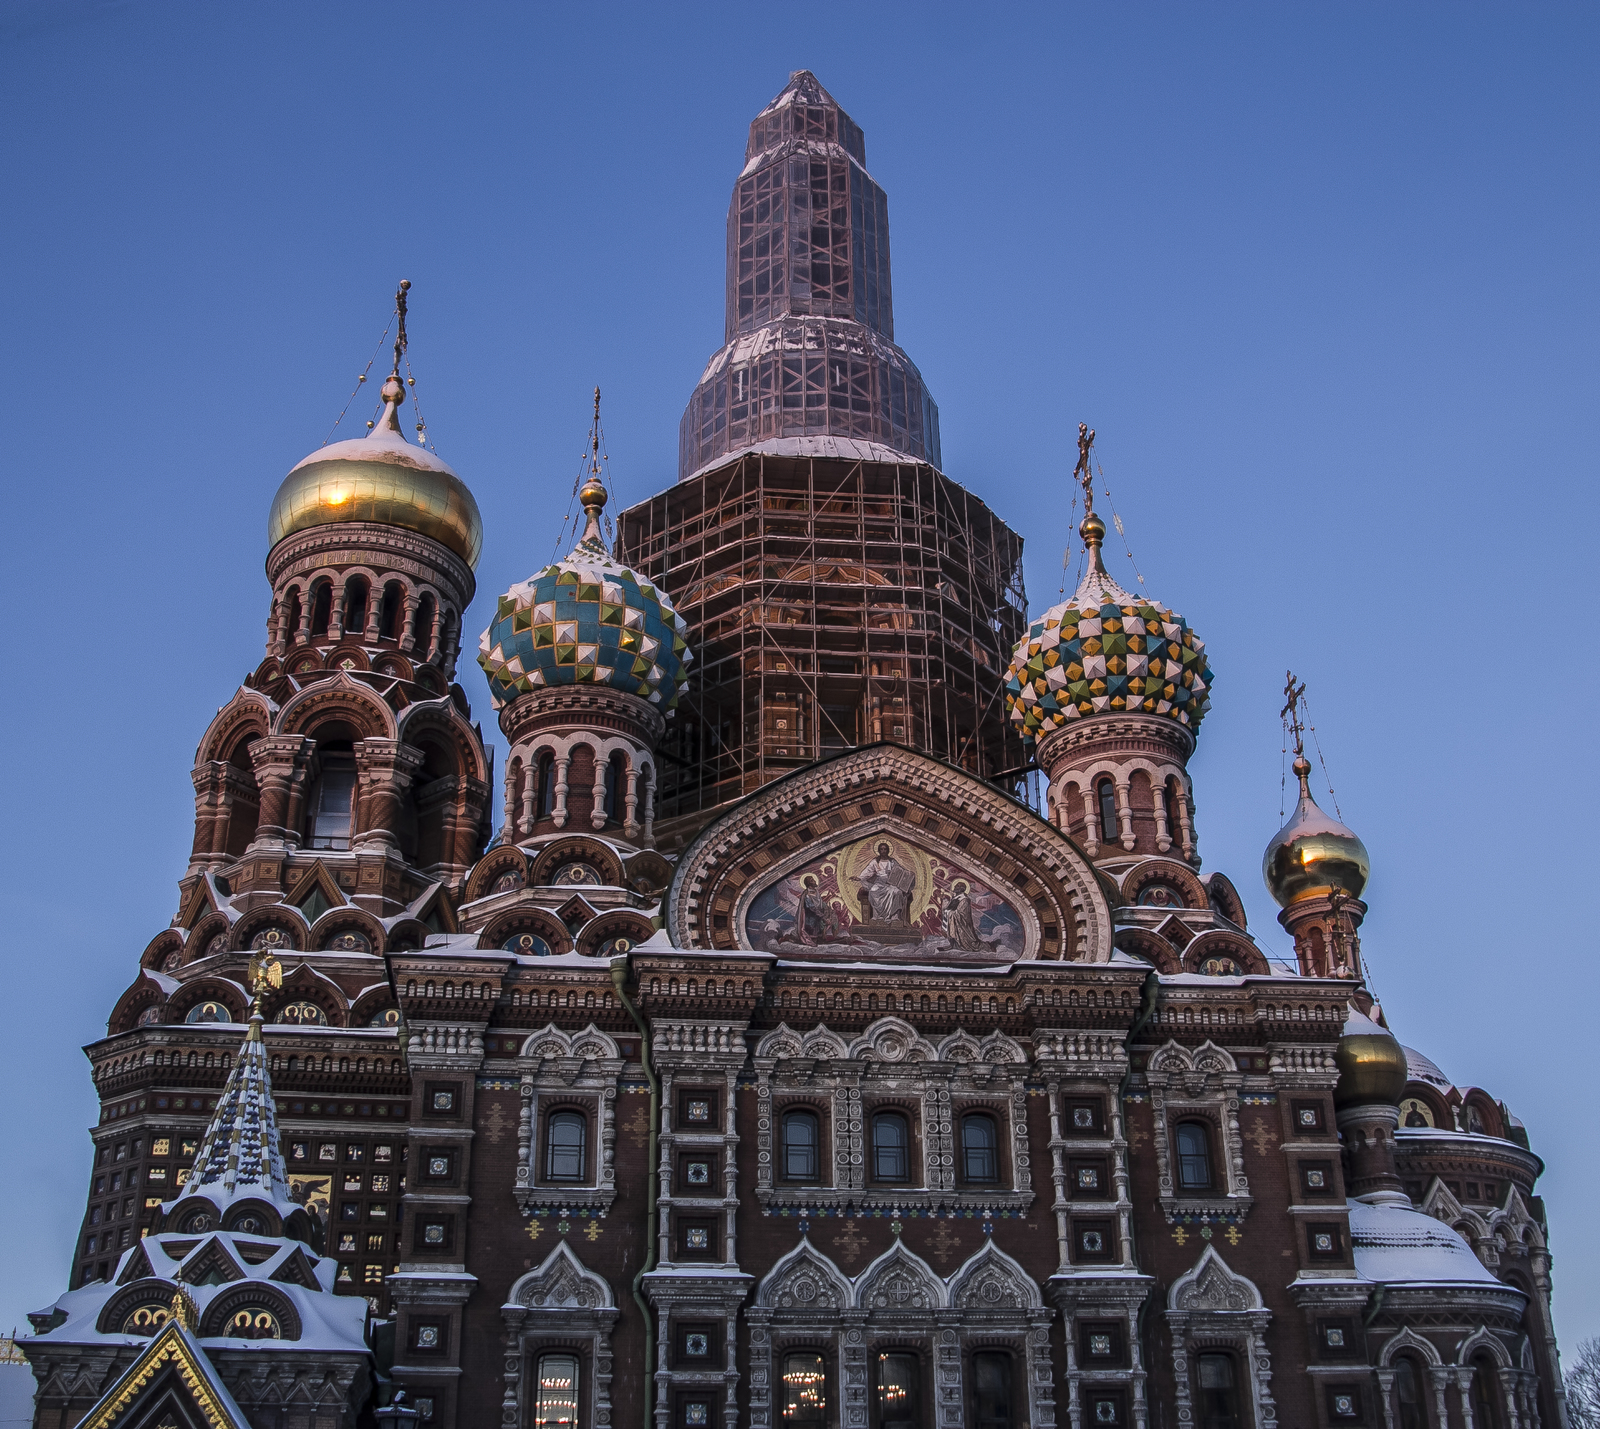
(349, 919)
(899, 1281)
(165, 943)
(1409, 1339)
(248, 715)
(561, 1282)
(1222, 943)
(1480, 1341)
(804, 1279)
(576, 848)
(1164, 871)
(339, 699)
(526, 919)
(492, 867)
(990, 1280)
(1049, 883)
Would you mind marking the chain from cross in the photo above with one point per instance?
(1081, 471)
(1290, 713)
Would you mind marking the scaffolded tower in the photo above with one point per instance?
(809, 342)
(839, 588)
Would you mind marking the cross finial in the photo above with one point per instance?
(1293, 693)
(400, 327)
(1081, 471)
(593, 495)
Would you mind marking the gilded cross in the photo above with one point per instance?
(1081, 471)
(1293, 693)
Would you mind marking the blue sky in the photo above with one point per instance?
(1322, 277)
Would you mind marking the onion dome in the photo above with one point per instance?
(382, 478)
(1312, 855)
(1105, 650)
(1372, 1065)
(586, 620)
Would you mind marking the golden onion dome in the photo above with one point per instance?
(382, 478)
(1372, 1065)
(1312, 855)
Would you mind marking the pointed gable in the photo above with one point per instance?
(172, 1377)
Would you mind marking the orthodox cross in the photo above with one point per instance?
(400, 330)
(1336, 932)
(1081, 471)
(1294, 692)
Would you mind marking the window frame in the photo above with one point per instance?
(1181, 1184)
(884, 1114)
(538, 1357)
(821, 1355)
(879, 1353)
(1011, 1420)
(989, 1117)
(550, 1116)
(1233, 1387)
(811, 1114)
(1106, 786)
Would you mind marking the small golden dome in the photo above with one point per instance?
(1312, 855)
(381, 478)
(1372, 1065)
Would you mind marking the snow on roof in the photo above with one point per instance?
(1397, 1246)
(327, 1321)
(1421, 1069)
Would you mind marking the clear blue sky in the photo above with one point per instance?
(1322, 276)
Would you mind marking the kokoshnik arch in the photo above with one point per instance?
(748, 1051)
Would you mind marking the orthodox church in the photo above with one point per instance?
(824, 1019)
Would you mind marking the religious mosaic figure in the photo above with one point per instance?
(815, 921)
(887, 884)
(956, 917)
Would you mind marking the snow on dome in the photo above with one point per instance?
(1422, 1069)
(1397, 1246)
(1106, 650)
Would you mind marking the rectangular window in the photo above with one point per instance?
(805, 1391)
(330, 823)
(555, 1404)
(897, 1391)
(991, 1390)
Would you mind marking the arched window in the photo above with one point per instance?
(980, 1149)
(547, 783)
(291, 626)
(355, 607)
(616, 785)
(805, 1391)
(1408, 1412)
(991, 1390)
(1194, 1156)
(891, 1147)
(389, 612)
(1219, 1394)
(1169, 798)
(555, 1404)
(565, 1135)
(898, 1391)
(1485, 1398)
(321, 610)
(801, 1146)
(1106, 793)
(422, 629)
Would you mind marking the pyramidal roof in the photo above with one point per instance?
(240, 1155)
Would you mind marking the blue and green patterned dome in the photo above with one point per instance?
(1106, 651)
(586, 621)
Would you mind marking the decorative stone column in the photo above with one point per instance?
(408, 617)
(1125, 813)
(559, 812)
(630, 819)
(384, 771)
(280, 762)
(649, 839)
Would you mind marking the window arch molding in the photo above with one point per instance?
(1203, 1085)
(549, 1086)
(1211, 1308)
(561, 1306)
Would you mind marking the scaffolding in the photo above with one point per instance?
(831, 604)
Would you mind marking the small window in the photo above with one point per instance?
(331, 820)
(1106, 792)
(980, 1149)
(898, 1392)
(1407, 1396)
(891, 1147)
(556, 1405)
(565, 1138)
(616, 787)
(1194, 1157)
(1485, 1412)
(1219, 1398)
(805, 1391)
(991, 1390)
(802, 1160)
(547, 783)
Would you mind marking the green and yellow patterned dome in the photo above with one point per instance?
(586, 620)
(1106, 651)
